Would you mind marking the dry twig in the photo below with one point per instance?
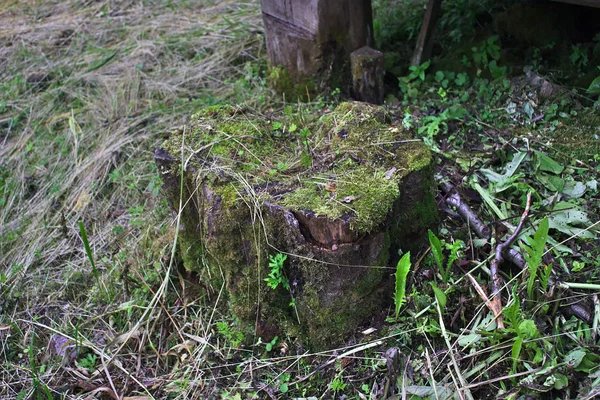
(498, 260)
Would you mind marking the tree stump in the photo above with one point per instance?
(339, 195)
(312, 40)
(368, 72)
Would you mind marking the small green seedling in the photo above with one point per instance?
(276, 276)
(402, 270)
(88, 362)
(533, 255)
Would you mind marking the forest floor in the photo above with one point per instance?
(94, 304)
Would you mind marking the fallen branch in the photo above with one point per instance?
(452, 198)
(479, 227)
(498, 260)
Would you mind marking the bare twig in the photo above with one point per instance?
(481, 292)
(453, 199)
(498, 260)
(479, 227)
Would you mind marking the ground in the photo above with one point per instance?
(94, 299)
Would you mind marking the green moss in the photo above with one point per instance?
(577, 137)
(301, 88)
(364, 194)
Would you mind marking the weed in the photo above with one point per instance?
(440, 296)
(88, 251)
(533, 257)
(337, 385)
(270, 345)
(594, 88)
(438, 256)
(434, 124)
(409, 85)
(232, 336)
(88, 362)
(579, 57)
(402, 269)
(277, 277)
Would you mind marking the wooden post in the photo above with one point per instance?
(367, 75)
(424, 42)
(313, 39)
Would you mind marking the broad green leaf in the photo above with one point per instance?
(545, 163)
(402, 269)
(490, 175)
(439, 295)
(592, 184)
(551, 182)
(574, 358)
(574, 189)
(589, 363)
(489, 201)
(429, 392)
(507, 182)
(528, 109)
(560, 381)
(527, 329)
(515, 352)
(436, 249)
(513, 165)
(467, 340)
(567, 217)
(594, 87)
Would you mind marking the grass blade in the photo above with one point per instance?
(88, 251)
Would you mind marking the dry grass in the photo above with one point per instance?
(88, 90)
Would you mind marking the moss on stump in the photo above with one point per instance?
(339, 194)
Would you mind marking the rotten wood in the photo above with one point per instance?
(232, 223)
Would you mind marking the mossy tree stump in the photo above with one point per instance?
(339, 195)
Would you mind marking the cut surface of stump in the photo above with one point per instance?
(337, 194)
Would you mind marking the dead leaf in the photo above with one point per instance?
(390, 172)
(349, 199)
